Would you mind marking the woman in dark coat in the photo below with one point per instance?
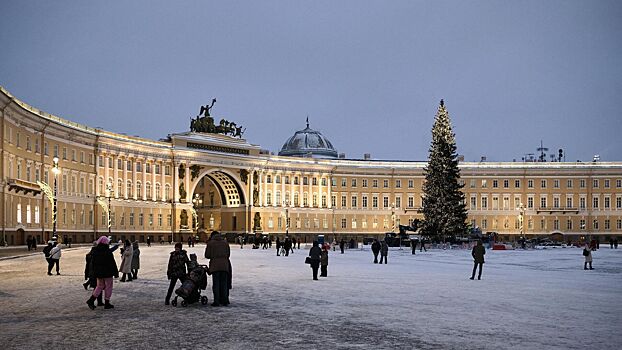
(315, 253)
(104, 268)
(478, 259)
(324, 261)
(135, 259)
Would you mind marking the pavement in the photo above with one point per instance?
(20, 251)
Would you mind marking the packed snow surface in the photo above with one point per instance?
(534, 299)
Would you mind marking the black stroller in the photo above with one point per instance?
(196, 281)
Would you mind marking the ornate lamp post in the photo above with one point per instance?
(56, 171)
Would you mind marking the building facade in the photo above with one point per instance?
(195, 182)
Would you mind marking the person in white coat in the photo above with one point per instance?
(126, 261)
(587, 253)
(55, 254)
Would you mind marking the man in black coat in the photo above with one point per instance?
(478, 258)
(375, 248)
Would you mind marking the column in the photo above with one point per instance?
(187, 182)
(260, 180)
(134, 179)
(319, 186)
(175, 183)
(301, 190)
(251, 195)
(127, 195)
(329, 195)
(163, 181)
(274, 204)
(153, 181)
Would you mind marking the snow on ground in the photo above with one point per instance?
(535, 299)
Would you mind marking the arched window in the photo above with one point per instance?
(167, 192)
(305, 199)
(120, 188)
(269, 179)
(269, 198)
(130, 194)
(100, 185)
(296, 199)
(157, 190)
(277, 198)
(277, 179)
(148, 190)
(139, 190)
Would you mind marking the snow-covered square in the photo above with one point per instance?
(534, 299)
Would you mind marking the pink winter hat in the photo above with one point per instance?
(103, 240)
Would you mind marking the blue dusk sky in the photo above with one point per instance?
(369, 74)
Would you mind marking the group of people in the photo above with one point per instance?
(613, 243)
(101, 268)
(286, 246)
(52, 253)
(380, 247)
(318, 257)
(217, 251)
(31, 242)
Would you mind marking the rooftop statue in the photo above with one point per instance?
(204, 123)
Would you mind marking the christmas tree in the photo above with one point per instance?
(444, 210)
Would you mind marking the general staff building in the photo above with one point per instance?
(191, 183)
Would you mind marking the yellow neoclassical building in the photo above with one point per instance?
(191, 182)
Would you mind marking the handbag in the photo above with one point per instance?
(308, 260)
(585, 252)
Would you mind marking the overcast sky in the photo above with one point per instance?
(369, 74)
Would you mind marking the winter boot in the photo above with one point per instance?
(585, 266)
(108, 305)
(100, 301)
(122, 278)
(91, 303)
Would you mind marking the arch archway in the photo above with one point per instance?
(219, 200)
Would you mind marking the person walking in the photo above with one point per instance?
(91, 281)
(135, 260)
(218, 253)
(148, 241)
(176, 269)
(55, 254)
(615, 243)
(46, 253)
(278, 246)
(34, 242)
(287, 245)
(587, 253)
(29, 242)
(342, 245)
(384, 251)
(375, 248)
(478, 258)
(103, 268)
(324, 261)
(126, 261)
(315, 254)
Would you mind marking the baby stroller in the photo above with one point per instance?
(196, 281)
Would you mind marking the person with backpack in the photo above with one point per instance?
(46, 253)
(587, 253)
(55, 254)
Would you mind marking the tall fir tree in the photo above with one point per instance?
(444, 210)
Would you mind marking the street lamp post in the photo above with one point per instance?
(56, 171)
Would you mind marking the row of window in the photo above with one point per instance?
(131, 221)
(308, 223)
(33, 215)
(344, 181)
(544, 183)
(130, 165)
(65, 155)
(344, 200)
(473, 182)
(544, 203)
(126, 190)
(569, 224)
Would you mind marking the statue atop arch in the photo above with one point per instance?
(204, 123)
